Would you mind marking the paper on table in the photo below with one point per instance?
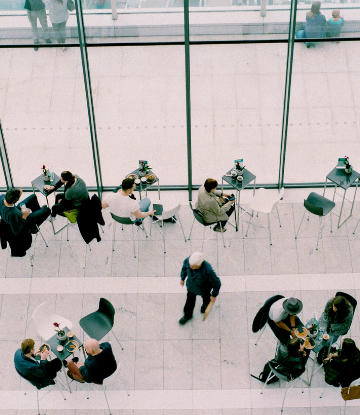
(207, 311)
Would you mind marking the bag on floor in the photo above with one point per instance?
(265, 373)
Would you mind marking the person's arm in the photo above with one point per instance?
(283, 326)
(183, 273)
(104, 205)
(140, 215)
(84, 370)
(56, 186)
(17, 220)
(215, 284)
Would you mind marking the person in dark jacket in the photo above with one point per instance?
(292, 357)
(26, 218)
(201, 280)
(343, 366)
(315, 26)
(99, 365)
(40, 373)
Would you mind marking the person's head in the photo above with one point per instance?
(349, 351)
(67, 177)
(210, 184)
(196, 259)
(339, 306)
(292, 305)
(294, 346)
(128, 185)
(336, 13)
(13, 195)
(315, 7)
(91, 346)
(27, 346)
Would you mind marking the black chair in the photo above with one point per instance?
(319, 206)
(98, 324)
(199, 218)
(349, 297)
(262, 315)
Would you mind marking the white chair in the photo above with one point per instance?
(44, 321)
(164, 215)
(264, 202)
(127, 221)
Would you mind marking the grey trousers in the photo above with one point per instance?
(59, 31)
(41, 15)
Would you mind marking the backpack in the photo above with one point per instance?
(265, 373)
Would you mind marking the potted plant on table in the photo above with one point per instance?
(143, 168)
(313, 330)
(348, 168)
(46, 174)
(61, 334)
(239, 169)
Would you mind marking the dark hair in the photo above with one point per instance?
(342, 305)
(27, 345)
(210, 184)
(68, 177)
(12, 196)
(127, 184)
(293, 346)
(315, 7)
(349, 352)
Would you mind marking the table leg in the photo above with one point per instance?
(342, 205)
(238, 208)
(159, 189)
(66, 378)
(254, 186)
(352, 206)
(325, 187)
(334, 192)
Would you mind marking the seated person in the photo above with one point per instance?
(283, 320)
(343, 366)
(99, 364)
(212, 207)
(335, 23)
(75, 193)
(39, 373)
(124, 206)
(24, 219)
(337, 317)
(292, 357)
(315, 24)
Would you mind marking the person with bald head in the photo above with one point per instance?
(99, 364)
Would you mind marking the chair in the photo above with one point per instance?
(275, 372)
(261, 318)
(126, 221)
(162, 215)
(199, 218)
(319, 206)
(37, 390)
(44, 321)
(262, 202)
(351, 393)
(99, 323)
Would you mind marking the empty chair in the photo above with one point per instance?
(351, 393)
(44, 321)
(199, 218)
(162, 215)
(126, 221)
(264, 202)
(99, 323)
(319, 206)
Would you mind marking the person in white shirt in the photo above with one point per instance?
(122, 205)
(283, 320)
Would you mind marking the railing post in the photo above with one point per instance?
(114, 10)
(263, 8)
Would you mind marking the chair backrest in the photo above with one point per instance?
(105, 307)
(262, 315)
(124, 221)
(316, 210)
(278, 374)
(349, 297)
(170, 213)
(197, 215)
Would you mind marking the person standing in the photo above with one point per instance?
(59, 14)
(36, 10)
(201, 280)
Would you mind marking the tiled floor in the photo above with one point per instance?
(168, 369)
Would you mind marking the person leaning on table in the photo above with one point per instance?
(282, 318)
(293, 357)
(40, 373)
(211, 207)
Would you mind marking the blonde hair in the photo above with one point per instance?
(336, 13)
(197, 258)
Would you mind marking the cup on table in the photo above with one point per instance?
(233, 174)
(326, 337)
(60, 348)
(70, 334)
(240, 179)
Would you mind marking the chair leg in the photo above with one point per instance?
(297, 233)
(277, 211)
(354, 233)
(133, 238)
(88, 391)
(42, 236)
(37, 399)
(102, 229)
(114, 233)
(202, 246)
(252, 217)
(268, 218)
(222, 234)
(117, 340)
(322, 393)
(107, 403)
(191, 229)
(178, 219)
(67, 233)
(270, 376)
(261, 333)
(320, 232)
(286, 390)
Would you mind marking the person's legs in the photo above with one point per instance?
(74, 372)
(62, 32)
(61, 207)
(38, 217)
(31, 202)
(56, 30)
(189, 305)
(33, 21)
(206, 301)
(144, 205)
(41, 14)
(52, 367)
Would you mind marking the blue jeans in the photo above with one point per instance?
(144, 205)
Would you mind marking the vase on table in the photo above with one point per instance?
(348, 169)
(62, 337)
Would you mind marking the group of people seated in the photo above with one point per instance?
(41, 372)
(341, 366)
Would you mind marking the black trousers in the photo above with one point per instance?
(38, 215)
(190, 303)
(62, 205)
(52, 367)
(283, 335)
(229, 212)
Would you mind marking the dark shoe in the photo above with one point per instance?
(202, 309)
(155, 217)
(65, 363)
(48, 41)
(75, 359)
(138, 223)
(218, 229)
(184, 320)
(36, 42)
(34, 231)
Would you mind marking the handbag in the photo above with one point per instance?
(70, 5)
(352, 392)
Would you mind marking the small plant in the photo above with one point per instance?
(238, 166)
(60, 332)
(144, 167)
(347, 162)
(46, 172)
(313, 328)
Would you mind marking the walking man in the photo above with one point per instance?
(201, 280)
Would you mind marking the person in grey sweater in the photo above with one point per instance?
(74, 196)
(59, 14)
